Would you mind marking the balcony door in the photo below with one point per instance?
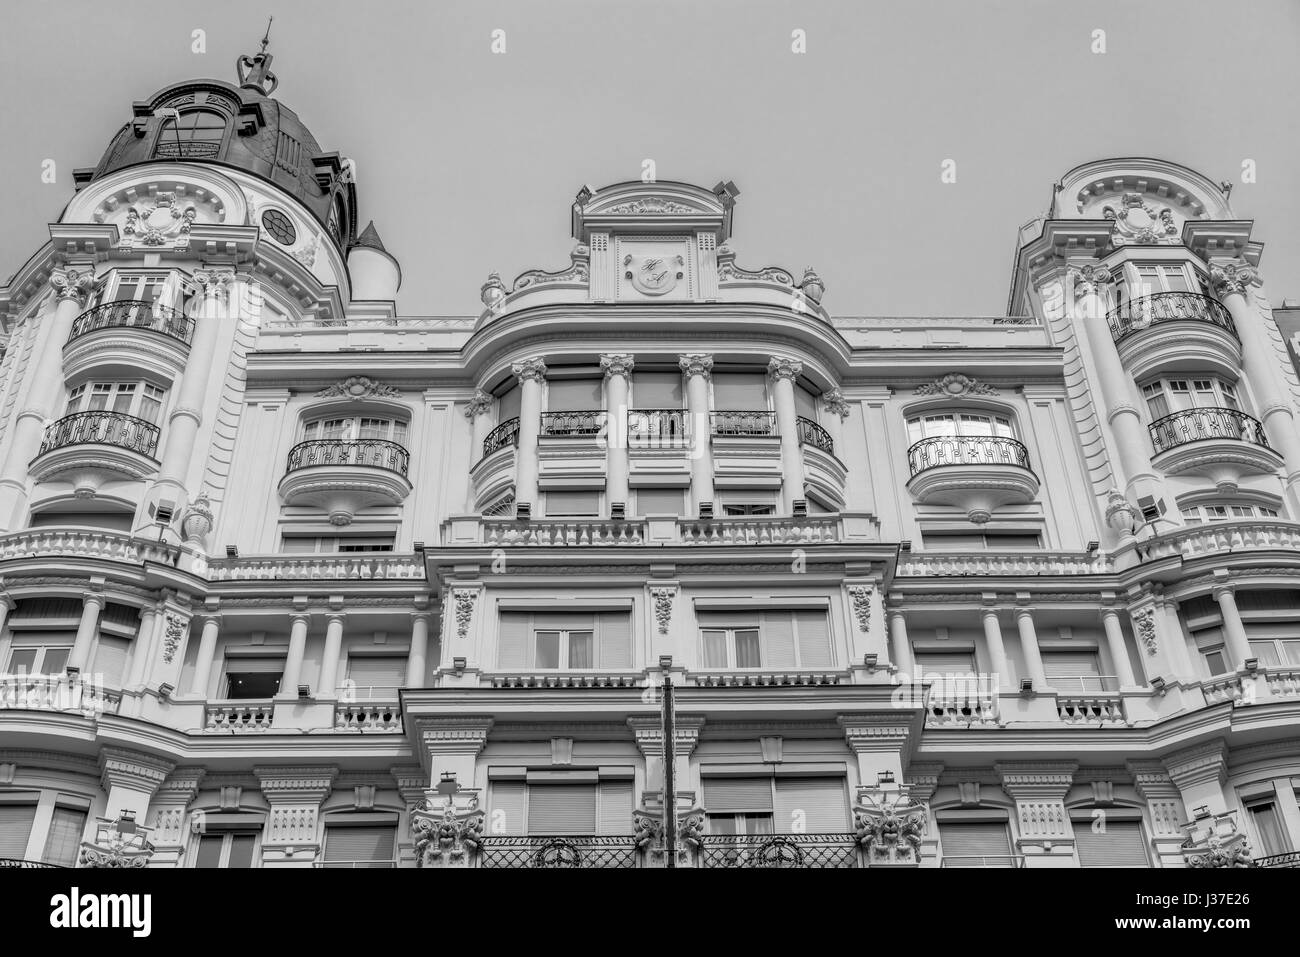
(355, 429)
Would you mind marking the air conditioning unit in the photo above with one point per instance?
(800, 506)
(618, 511)
(706, 511)
(523, 511)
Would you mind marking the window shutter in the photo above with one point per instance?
(804, 403)
(615, 636)
(945, 663)
(822, 801)
(814, 639)
(64, 838)
(615, 807)
(657, 390)
(512, 640)
(562, 809)
(507, 807)
(353, 843)
(508, 404)
(1071, 664)
(737, 794)
(778, 639)
(660, 501)
(377, 676)
(975, 839)
(110, 659)
(15, 828)
(1269, 827)
(1119, 845)
(739, 392)
(573, 395)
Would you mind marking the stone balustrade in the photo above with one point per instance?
(238, 718)
(1196, 541)
(372, 717)
(943, 564)
(559, 532)
(1091, 709)
(316, 567)
(1283, 682)
(762, 679)
(86, 543)
(1223, 688)
(809, 530)
(569, 680)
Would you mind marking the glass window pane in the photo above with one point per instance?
(241, 850)
(1269, 827)
(747, 654)
(1265, 651)
(580, 646)
(1214, 661)
(548, 649)
(209, 851)
(759, 824)
(715, 648)
(55, 660)
(22, 661)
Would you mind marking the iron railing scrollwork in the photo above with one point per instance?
(663, 424)
(810, 433)
(373, 453)
(743, 423)
(559, 851)
(1193, 425)
(778, 850)
(186, 149)
(102, 427)
(134, 314)
(573, 423)
(507, 433)
(1287, 859)
(1145, 311)
(9, 862)
(966, 450)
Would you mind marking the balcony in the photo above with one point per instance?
(59, 692)
(1138, 315)
(742, 423)
(658, 428)
(583, 852)
(810, 433)
(9, 863)
(1203, 541)
(778, 851)
(133, 314)
(238, 717)
(90, 448)
(503, 436)
(1175, 331)
(1288, 859)
(573, 423)
(369, 717)
(1218, 443)
(978, 474)
(344, 476)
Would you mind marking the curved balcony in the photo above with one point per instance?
(507, 433)
(810, 433)
(1220, 444)
(976, 473)
(1169, 331)
(131, 334)
(344, 476)
(578, 423)
(91, 447)
(134, 314)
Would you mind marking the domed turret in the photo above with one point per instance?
(375, 273)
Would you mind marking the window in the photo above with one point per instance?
(739, 503)
(1075, 672)
(1269, 828)
(15, 828)
(195, 134)
(1216, 661)
(981, 541)
(1109, 840)
(227, 849)
(111, 653)
(356, 428)
(579, 504)
(142, 287)
(328, 544)
(140, 399)
(546, 640)
(118, 521)
(765, 804)
(773, 639)
(975, 844)
(38, 655)
(1147, 279)
(958, 424)
(660, 501)
(355, 845)
(739, 392)
(748, 508)
(1166, 396)
(63, 839)
(1228, 512)
(375, 677)
(253, 678)
(656, 390)
(574, 395)
(560, 808)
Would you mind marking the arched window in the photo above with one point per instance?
(952, 437)
(196, 134)
(338, 221)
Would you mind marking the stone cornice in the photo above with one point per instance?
(181, 786)
(1152, 780)
(1200, 764)
(453, 735)
(296, 785)
(133, 769)
(1036, 780)
(874, 732)
(648, 732)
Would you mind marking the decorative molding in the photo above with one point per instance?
(533, 368)
(1137, 221)
(172, 632)
(696, 363)
(492, 292)
(890, 828)
(1233, 277)
(72, 284)
(861, 598)
(663, 596)
(448, 836)
(1090, 280)
(955, 384)
(833, 401)
(479, 404)
(783, 367)
(464, 599)
(1144, 623)
(358, 387)
(650, 204)
(617, 363)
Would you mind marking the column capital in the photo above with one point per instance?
(533, 368)
(650, 736)
(133, 769)
(833, 401)
(1233, 277)
(73, 284)
(783, 367)
(300, 616)
(696, 363)
(617, 363)
(214, 283)
(479, 404)
(1091, 279)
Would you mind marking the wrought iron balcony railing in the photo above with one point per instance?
(966, 450)
(743, 423)
(102, 428)
(667, 425)
(1289, 859)
(573, 423)
(559, 852)
(1146, 311)
(1194, 425)
(810, 433)
(507, 433)
(193, 149)
(10, 862)
(779, 850)
(134, 314)
(372, 453)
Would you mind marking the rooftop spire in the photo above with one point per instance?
(255, 71)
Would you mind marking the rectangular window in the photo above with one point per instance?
(975, 844)
(110, 659)
(15, 829)
(359, 845)
(657, 390)
(1118, 844)
(580, 504)
(227, 849)
(562, 809)
(1215, 662)
(558, 808)
(36, 654)
(739, 392)
(660, 501)
(376, 677)
(764, 804)
(1269, 828)
(773, 639)
(574, 395)
(1075, 672)
(253, 678)
(326, 544)
(739, 805)
(980, 541)
(64, 837)
(555, 641)
(738, 509)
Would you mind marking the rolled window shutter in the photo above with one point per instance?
(562, 809)
(573, 395)
(507, 816)
(821, 804)
(1119, 845)
(945, 663)
(64, 838)
(739, 392)
(615, 807)
(814, 639)
(737, 794)
(359, 843)
(975, 840)
(377, 676)
(15, 828)
(110, 659)
(512, 640)
(778, 640)
(1071, 664)
(615, 637)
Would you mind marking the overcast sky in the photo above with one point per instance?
(468, 160)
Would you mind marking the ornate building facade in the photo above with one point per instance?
(292, 580)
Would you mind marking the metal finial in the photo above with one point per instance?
(267, 38)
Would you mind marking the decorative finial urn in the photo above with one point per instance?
(493, 292)
(812, 284)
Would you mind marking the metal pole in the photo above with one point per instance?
(670, 775)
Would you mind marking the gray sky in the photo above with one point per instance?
(468, 161)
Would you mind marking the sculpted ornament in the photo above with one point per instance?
(653, 274)
(954, 383)
(158, 223)
(492, 292)
(890, 832)
(663, 598)
(861, 597)
(465, 598)
(833, 401)
(356, 387)
(1228, 278)
(449, 838)
(172, 636)
(479, 404)
(1089, 280)
(1136, 221)
(651, 204)
(1145, 624)
(72, 284)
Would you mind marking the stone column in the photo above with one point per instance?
(1234, 632)
(1039, 789)
(46, 395)
(292, 676)
(1029, 644)
(187, 410)
(1165, 811)
(476, 410)
(1199, 773)
(207, 652)
(329, 665)
(899, 644)
(292, 836)
(698, 369)
(993, 638)
(837, 409)
(531, 372)
(1118, 647)
(142, 647)
(91, 605)
(452, 745)
(130, 779)
(618, 370)
(167, 816)
(417, 663)
(877, 742)
(783, 373)
(1261, 367)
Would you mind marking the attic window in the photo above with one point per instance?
(196, 135)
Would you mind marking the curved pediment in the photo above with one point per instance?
(639, 207)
